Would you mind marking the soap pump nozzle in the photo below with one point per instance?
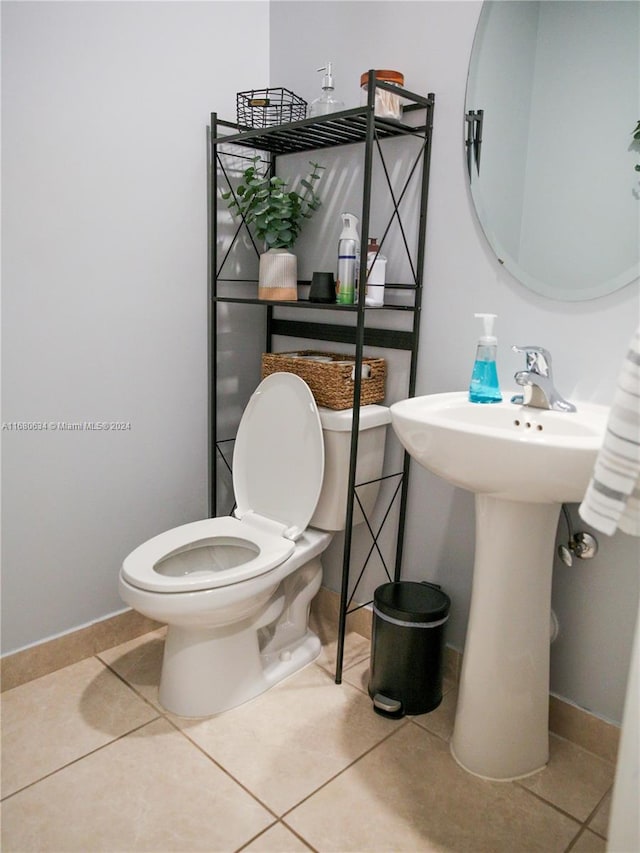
(487, 320)
(327, 80)
(326, 103)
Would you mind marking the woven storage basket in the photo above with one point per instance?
(331, 382)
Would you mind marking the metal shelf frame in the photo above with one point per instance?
(359, 125)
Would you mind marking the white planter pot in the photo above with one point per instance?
(278, 275)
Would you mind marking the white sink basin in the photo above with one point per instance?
(511, 452)
(523, 464)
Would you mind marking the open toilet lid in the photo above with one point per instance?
(278, 459)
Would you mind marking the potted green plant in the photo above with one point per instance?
(277, 215)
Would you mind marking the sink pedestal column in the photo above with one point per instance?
(502, 721)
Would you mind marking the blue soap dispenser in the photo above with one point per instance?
(484, 386)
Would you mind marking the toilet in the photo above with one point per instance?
(235, 592)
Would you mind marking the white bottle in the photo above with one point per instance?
(326, 103)
(376, 273)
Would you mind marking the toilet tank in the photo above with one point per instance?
(336, 428)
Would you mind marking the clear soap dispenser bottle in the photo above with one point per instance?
(327, 102)
(484, 386)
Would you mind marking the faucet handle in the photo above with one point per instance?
(538, 359)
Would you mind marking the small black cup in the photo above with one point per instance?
(323, 287)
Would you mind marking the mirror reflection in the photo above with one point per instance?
(553, 99)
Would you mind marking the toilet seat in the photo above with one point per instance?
(143, 568)
(278, 467)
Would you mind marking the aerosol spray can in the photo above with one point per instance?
(348, 260)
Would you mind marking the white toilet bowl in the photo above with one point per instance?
(235, 592)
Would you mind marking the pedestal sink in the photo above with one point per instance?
(523, 464)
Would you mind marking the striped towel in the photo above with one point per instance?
(612, 499)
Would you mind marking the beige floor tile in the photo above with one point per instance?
(358, 675)
(600, 821)
(356, 648)
(292, 739)
(574, 780)
(590, 843)
(139, 662)
(408, 794)
(440, 722)
(60, 717)
(152, 790)
(277, 839)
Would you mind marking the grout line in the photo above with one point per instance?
(327, 670)
(271, 826)
(253, 795)
(353, 663)
(579, 746)
(422, 728)
(300, 837)
(576, 838)
(255, 837)
(408, 719)
(344, 769)
(164, 715)
(220, 766)
(81, 758)
(549, 803)
(581, 826)
(593, 813)
(132, 687)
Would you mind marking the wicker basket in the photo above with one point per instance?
(331, 382)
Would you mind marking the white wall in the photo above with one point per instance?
(431, 43)
(104, 115)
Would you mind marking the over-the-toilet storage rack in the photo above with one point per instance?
(348, 127)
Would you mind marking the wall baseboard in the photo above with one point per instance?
(566, 720)
(39, 660)
(585, 729)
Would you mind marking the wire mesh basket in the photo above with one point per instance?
(269, 107)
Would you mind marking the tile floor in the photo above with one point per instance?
(91, 762)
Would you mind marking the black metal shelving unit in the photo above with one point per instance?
(358, 125)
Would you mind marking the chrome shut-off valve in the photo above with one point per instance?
(582, 545)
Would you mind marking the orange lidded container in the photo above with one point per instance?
(387, 104)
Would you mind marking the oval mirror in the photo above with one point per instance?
(552, 103)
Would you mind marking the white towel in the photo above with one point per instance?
(612, 499)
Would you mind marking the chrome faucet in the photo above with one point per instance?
(537, 381)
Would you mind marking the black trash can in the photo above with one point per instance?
(407, 648)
